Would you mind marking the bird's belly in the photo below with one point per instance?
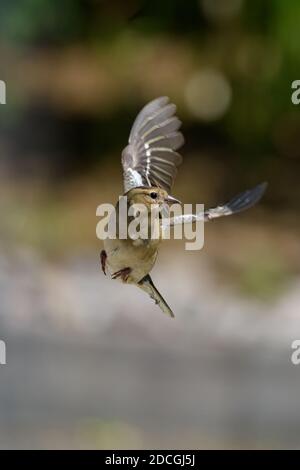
(123, 254)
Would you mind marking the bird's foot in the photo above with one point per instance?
(103, 257)
(123, 274)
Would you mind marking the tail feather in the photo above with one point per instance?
(146, 284)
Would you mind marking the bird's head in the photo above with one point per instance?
(151, 196)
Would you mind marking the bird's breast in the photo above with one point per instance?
(139, 255)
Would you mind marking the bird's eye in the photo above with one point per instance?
(153, 195)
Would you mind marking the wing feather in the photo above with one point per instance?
(151, 158)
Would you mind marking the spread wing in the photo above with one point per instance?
(150, 158)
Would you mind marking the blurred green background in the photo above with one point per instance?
(94, 364)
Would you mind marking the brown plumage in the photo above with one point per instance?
(150, 163)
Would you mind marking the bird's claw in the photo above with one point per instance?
(123, 274)
(103, 257)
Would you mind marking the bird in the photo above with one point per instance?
(150, 162)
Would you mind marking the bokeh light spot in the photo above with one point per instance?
(221, 10)
(208, 94)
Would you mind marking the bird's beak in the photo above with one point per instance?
(172, 200)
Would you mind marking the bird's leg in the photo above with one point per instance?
(123, 274)
(103, 257)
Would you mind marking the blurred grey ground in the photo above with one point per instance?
(92, 364)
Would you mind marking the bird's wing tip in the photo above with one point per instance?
(259, 190)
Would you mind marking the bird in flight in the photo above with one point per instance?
(150, 163)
